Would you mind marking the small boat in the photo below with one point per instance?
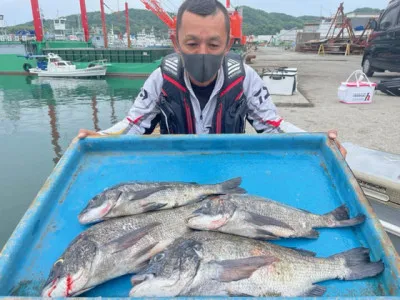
(52, 65)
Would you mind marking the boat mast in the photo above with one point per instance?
(103, 22)
(84, 20)
(37, 22)
(128, 27)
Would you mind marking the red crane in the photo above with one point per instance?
(84, 20)
(37, 22)
(103, 22)
(155, 7)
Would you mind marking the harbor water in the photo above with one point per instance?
(38, 120)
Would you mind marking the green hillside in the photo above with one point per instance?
(256, 21)
(367, 10)
(259, 22)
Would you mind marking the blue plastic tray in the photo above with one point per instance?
(303, 170)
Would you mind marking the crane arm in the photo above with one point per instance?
(155, 7)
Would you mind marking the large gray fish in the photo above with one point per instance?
(216, 264)
(114, 248)
(256, 217)
(140, 197)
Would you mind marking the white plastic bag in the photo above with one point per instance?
(360, 91)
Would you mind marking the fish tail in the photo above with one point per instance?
(340, 218)
(358, 264)
(232, 186)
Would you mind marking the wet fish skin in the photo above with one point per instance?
(261, 218)
(140, 197)
(216, 264)
(114, 248)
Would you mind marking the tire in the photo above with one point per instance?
(367, 67)
(26, 67)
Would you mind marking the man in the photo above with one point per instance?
(203, 88)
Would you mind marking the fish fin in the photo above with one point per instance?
(265, 221)
(238, 190)
(315, 291)
(341, 213)
(232, 186)
(153, 206)
(342, 219)
(147, 192)
(145, 251)
(358, 262)
(128, 240)
(262, 234)
(351, 222)
(312, 234)
(238, 269)
(304, 252)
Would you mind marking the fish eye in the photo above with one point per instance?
(159, 257)
(197, 247)
(59, 262)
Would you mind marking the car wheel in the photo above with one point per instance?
(367, 67)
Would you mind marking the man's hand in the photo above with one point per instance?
(83, 133)
(332, 134)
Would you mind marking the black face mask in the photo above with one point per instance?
(202, 67)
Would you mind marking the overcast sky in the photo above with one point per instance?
(19, 11)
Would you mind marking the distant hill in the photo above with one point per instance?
(367, 10)
(256, 21)
(139, 19)
(259, 22)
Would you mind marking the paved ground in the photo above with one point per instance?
(374, 126)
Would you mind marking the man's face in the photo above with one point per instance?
(203, 35)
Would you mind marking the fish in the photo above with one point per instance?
(260, 218)
(216, 264)
(140, 197)
(114, 248)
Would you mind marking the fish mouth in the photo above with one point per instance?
(92, 215)
(149, 285)
(51, 286)
(193, 216)
(198, 213)
(140, 278)
(205, 222)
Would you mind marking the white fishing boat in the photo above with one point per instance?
(52, 65)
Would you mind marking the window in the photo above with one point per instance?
(390, 18)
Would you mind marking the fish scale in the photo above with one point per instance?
(217, 264)
(107, 261)
(139, 197)
(261, 218)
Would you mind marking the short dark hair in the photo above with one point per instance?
(203, 8)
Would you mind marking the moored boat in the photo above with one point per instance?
(52, 65)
